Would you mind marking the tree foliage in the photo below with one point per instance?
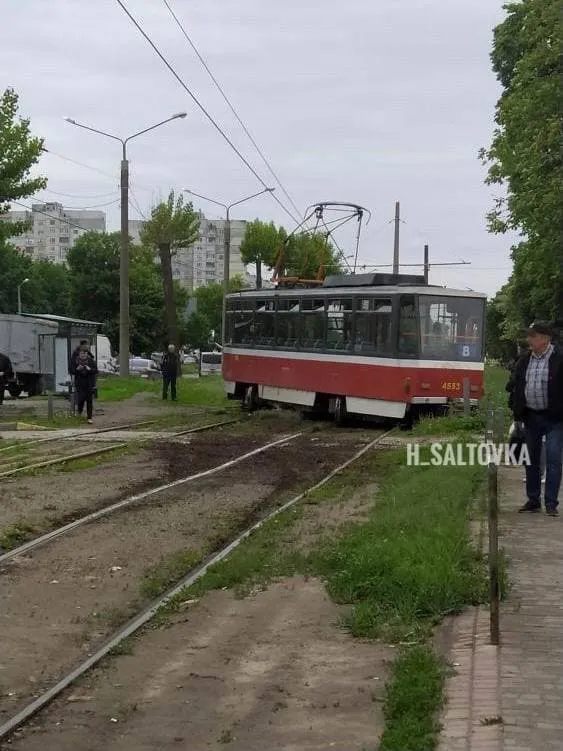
(306, 255)
(209, 313)
(19, 151)
(94, 290)
(260, 245)
(173, 224)
(526, 157)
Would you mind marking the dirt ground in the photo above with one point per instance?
(62, 599)
(52, 497)
(274, 666)
(273, 671)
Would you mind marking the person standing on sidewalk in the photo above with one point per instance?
(84, 370)
(171, 368)
(6, 374)
(536, 399)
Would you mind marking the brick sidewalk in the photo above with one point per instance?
(522, 682)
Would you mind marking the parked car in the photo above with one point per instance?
(143, 367)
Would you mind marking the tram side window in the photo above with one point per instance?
(241, 323)
(287, 324)
(264, 323)
(312, 323)
(339, 324)
(373, 326)
(408, 329)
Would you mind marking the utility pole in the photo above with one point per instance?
(124, 243)
(426, 264)
(25, 281)
(227, 244)
(124, 268)
(396, 238)
(227, 253)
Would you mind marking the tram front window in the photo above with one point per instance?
(451, 328)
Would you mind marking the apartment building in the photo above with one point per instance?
(53, 229)
(203, 262)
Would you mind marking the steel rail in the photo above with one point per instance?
(62, 460)
(77, 434)
(93, 452)
(146, 615)
(32, 544)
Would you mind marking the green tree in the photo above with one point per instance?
(48, 290)
(307, 255)
(93, 264)
(500, 344)
(19, 152)
(94, 290)
(526, 157)
(261, 245)
(173, 224)
(14, 268)
(209, 312)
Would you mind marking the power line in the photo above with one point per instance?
(201, 107)
(229, 103)
(33, 210)
(71, 195)
(86, 208)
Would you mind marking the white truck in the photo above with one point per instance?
(30, 345)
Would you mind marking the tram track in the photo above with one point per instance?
(137, 498)
(11, 456)
(144, 615)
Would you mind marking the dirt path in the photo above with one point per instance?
(273, 671)
(60, 600)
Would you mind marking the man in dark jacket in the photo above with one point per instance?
(6, 374)
(84, 369)
(536, 399)
(171, 368)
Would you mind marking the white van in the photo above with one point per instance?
(210, 363)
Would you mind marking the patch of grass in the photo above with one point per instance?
(208, 391)
(413, 562)
(60, 420)
(168, 571)
(91, 462)
(15, 535)
(413, 701)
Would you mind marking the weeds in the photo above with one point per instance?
(414, 698)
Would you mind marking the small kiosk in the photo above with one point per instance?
(70, 332)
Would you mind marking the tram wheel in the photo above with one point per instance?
(250, 402)
(340, 412)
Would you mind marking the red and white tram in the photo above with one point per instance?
(371, 344)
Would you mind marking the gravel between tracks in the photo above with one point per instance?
(62, 599)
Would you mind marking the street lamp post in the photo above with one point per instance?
(25, 281)
(124, 250)
(227, 241)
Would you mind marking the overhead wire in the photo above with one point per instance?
(201, 107)
(62, 220)
(87, 208)
(72, 195)
(229, 104)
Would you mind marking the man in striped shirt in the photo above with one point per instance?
(537, 401)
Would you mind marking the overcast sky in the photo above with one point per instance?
(364, 101)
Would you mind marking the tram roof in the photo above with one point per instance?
(358, 291)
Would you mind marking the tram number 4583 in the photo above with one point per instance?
(451, 386)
